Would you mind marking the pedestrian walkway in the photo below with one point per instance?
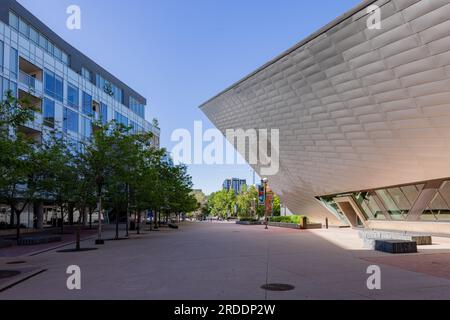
(204, 261)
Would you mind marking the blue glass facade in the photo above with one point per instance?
(73, 96)
(70, 120)
(66, 100)
(49, 113)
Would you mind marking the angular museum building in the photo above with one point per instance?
(363, 115)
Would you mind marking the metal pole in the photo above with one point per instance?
(265, 204)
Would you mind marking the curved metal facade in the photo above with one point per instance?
(356, 108)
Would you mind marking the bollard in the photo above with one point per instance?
(326, 223)
(305, 223)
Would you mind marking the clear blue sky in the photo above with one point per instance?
(180, 53)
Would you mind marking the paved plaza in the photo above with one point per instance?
(207, 261)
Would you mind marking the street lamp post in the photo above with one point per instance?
(266, 218)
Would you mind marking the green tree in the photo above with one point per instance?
(19, 175)
(247, 202)
(56, 162)
(100, 158)
(276, 206)
(222, 203)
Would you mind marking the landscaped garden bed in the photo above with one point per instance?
(293, 222)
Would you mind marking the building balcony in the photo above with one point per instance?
(32, 101)
(31, 76)
(31, 133)
(34, 86)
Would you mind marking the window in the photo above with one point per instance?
(42, 42)
(121, 119)
(24, 29)
(65, 58)
(50, 48)
(391, 206)
(8, 85)
(13, 20)
(104, 113)
(86, 127)
(137, 108)
(87, 74)
(109, 88)
(49, 113)
(439, 207)
(134, 127)
(57, 52)
(13, 63)
(54, 85)
(87, 104)
(73, 96)
(2, 47)
(70, 120)
(29, 32)
(34, 35)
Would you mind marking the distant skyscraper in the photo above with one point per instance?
(235, 184)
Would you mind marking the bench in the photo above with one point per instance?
(396, 246)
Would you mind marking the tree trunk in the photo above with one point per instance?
(62, 219)
(156, 220)
(90, 218)
(138, 223)
(117, 225)
(151, 221)
(71, 209)
(78, 239)
(100, 218)
(11, 217)
(127, 228)
(17, 225)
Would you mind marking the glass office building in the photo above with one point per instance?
(69, 90)
(363, 115)
(235, 184)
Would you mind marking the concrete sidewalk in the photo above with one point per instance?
(207, 261)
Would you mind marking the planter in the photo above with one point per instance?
(295, 226)
(249, 223)
(285, 225)
(314, 226)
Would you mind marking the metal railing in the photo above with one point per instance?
(30, 82)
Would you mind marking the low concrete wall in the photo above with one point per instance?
(314, 226)
(285, 225)
(432, 228)
(295, 226)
